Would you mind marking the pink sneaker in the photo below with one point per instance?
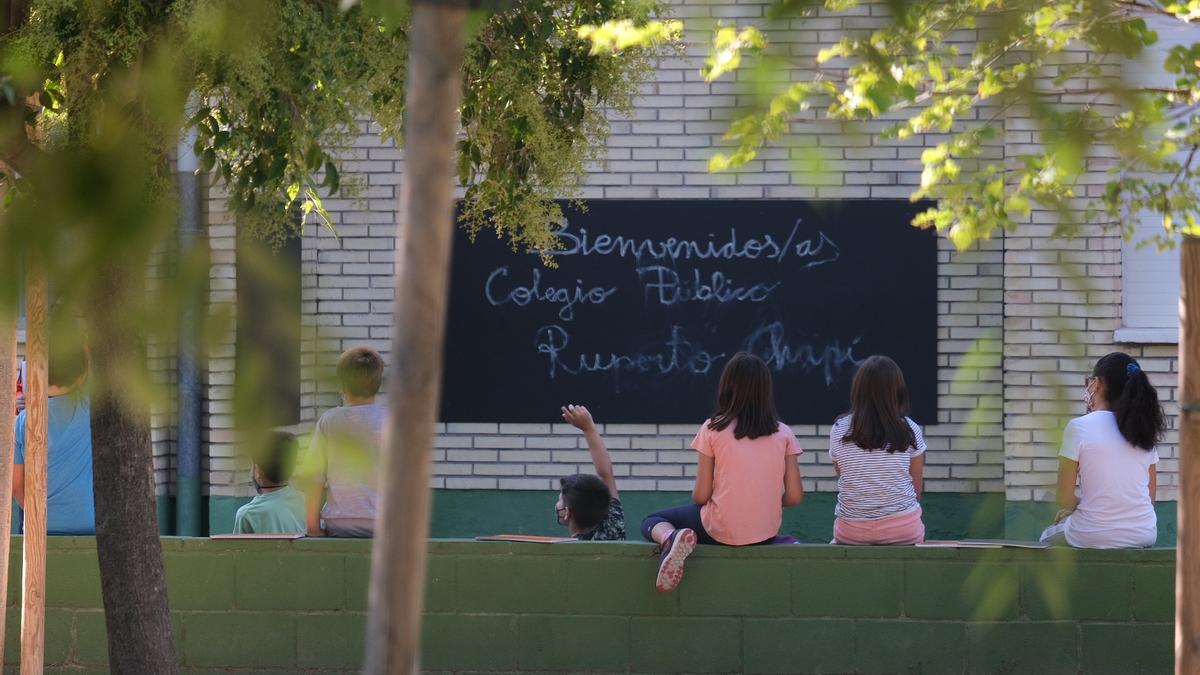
(678, 547)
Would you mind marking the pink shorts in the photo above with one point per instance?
(902, 528)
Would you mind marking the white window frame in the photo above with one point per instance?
(1142, 274)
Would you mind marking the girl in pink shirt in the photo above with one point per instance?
(747, 473)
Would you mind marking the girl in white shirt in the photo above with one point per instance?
(879, 456)
(1110, 453)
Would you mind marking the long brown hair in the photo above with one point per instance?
(878, 404)
(746, 396)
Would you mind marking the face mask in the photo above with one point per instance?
(1087, 399)
(560, 515)
(258, 488)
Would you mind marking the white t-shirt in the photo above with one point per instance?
(344, 455)
(873, 483)
(1114, 510)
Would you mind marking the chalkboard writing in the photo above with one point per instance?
(650, 298)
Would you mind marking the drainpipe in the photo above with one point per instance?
(187, 438)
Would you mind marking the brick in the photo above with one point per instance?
(1154, 593)
(331, 640)
(1126, 649)
(91, 638)
(843, 588)
(787, 645)
(241, 640)
(737, 587)
(635, 576)
(358, 580)
(1078, 591)
(199, 580)
(1046, 647)
(72, 579)
(550, 642)
(311, 580)
(484, 584)
(687, 645)
(977, 591)
(910, 647)
(463, 642)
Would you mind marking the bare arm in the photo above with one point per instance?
(1153, 483)
(793, 488)
(1068, 475)
(311, 479)
(704, 479)
(18, 476)
(579, 417)
(314, 499)
(916, 469)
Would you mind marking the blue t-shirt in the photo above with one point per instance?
(70, 506)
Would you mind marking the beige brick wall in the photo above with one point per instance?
(999, 304)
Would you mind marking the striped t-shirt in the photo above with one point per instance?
(873, 483)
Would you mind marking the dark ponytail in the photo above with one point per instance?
(1132, 399)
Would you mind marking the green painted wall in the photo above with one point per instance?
(299, 607)
(468, 513)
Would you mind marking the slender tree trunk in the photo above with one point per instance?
(132, 580)
(426, 231)
(33, 568)
(8, 387)
(1187, 564)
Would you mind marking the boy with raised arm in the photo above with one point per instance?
(589, 506)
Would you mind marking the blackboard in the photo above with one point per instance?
(650, 298)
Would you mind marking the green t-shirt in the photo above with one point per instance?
(275, 512)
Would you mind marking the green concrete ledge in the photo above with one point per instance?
(300, 607)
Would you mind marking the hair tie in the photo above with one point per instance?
(1132, 368)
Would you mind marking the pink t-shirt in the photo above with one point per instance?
(747, 500)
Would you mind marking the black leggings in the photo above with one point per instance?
(679, 517)
(687, 516)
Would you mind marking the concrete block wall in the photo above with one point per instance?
(1000, 304)
(300, 607)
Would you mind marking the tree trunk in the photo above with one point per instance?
(8, 387)
(1187, 563)
(426, 230)
(33, 552)
(132, 580)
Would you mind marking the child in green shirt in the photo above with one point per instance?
(279, 507)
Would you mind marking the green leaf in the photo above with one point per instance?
(332, 179)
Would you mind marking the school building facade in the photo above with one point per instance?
(1020, 317)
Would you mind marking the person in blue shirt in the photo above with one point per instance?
(70, 508)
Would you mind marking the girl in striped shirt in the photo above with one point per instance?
(879, 456)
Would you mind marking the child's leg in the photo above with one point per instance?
(658, 526)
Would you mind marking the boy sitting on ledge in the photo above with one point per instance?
(279, 507)
(589, 506)
(344, 456)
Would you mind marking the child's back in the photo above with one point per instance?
(1115, 508)
(745, 507)
(873, 483)
(346, 445)
(279, 507)
(275, 512)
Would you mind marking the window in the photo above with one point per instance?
(1149, 278)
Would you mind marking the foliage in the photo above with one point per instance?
(282, 85)
(533, 110)
(912, 70)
